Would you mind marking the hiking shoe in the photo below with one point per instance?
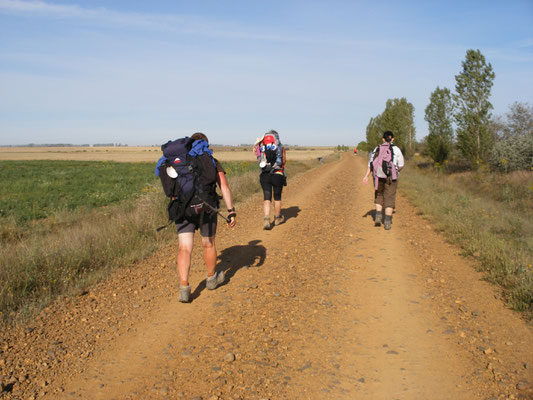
(185, 292)
(266, 224)
(213, 281)
(387, 222)
(278, 219)
(377, 219)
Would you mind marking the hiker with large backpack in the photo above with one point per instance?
(271, 158)
(386, 162)
(190, 175)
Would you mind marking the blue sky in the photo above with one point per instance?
(140, 72)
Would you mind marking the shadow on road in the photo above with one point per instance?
(371, 213)
(291, 212)
(233, 259)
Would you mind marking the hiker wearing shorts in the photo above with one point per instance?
(207, 225)
(385, 184)
(272, 177)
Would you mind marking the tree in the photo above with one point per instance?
(373, 133)
(514, 149)
(398, 117)
(363, 146)
(473, 86)
(439, 113)
(519, 121)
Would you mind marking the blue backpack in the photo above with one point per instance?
(188, 174)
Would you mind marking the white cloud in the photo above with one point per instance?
(188, 24)
(524, 43)
(42, 8)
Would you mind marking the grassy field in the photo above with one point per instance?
(33, 190)
(37, 189)
(66, 224)
(489, 215)
(144, 154)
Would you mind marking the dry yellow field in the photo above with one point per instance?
(138, 154)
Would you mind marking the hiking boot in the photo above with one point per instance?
(278, 219)
(213, 281)
(387, 222)
(266, 224)
(185, 292)
(377, 219)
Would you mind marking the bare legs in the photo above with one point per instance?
(266, 208)
(186, 243)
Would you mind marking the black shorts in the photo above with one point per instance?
(208, 226)
(271, 183)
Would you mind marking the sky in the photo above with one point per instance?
(144, 72)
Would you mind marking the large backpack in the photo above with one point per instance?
(269, 152)
(382, 165)
(188, 174)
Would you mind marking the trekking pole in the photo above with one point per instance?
(164, 226)
(228, 220)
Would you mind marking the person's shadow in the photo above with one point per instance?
(291, 212)
(233, 259)
(371, 213)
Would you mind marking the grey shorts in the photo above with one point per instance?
(208, 228)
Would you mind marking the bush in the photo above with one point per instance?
(363, 146)
(513, 154)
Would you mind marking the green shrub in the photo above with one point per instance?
(513, 154)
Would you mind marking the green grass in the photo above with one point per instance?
(236, 168)
(37, 189)
(488, 216)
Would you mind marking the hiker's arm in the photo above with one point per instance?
(226, 195)
(401, 161)
(365, 179)
(371, 158)
(284, 158)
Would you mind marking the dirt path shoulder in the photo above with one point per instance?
(324, 306)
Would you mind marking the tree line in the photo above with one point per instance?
(461, 123)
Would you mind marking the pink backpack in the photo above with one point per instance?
(383, 164)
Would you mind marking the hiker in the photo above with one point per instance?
(386, 162)
(198, 212)
(271, 158)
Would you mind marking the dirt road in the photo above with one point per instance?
(325, 306)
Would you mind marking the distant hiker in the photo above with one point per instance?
(386, 162)
(189, 174)
(355, 150)
(271, 158)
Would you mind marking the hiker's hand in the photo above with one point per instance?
(365, 180)
(232, 220)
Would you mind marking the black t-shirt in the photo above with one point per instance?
(219, 166)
